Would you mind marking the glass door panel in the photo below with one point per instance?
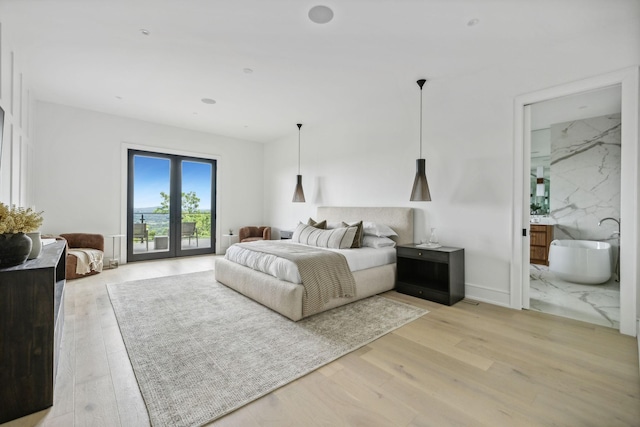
(170, 206)
(151, 203)
(196, 183)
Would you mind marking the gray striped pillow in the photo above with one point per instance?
(336, 238)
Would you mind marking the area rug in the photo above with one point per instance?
(199, 350)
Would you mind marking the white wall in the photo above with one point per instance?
(368, 158)
(16, 101)
(79, 169)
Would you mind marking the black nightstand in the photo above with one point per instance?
(432, 274)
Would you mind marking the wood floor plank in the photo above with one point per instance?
(131, 408)
(96, 403)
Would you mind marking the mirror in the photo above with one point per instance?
(540, 168)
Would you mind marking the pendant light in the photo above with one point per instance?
(420, 192)
(298, 195)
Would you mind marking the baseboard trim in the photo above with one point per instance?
(488, 295)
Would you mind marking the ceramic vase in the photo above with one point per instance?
(14, 249)
(36, 245)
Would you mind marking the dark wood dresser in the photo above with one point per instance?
(31, 320)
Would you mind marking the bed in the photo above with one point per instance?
(286, 297)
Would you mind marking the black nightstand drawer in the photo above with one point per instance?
(427, 254)
(424, 293)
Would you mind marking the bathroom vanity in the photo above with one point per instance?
(541, 237)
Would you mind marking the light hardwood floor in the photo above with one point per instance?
(466, 365)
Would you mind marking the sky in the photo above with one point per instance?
(152, 175)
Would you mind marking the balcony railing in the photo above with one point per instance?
(158, 223)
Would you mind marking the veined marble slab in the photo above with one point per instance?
(585, 178)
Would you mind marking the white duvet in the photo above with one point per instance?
(283, 269)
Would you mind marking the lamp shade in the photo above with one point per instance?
(420, 192)
(298, 194)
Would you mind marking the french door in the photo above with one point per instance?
(170, 205)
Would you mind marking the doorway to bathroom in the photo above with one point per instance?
(628, 83)
(575, 151)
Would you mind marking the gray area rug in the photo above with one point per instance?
(199, 350)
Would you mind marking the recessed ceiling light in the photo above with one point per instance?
(473, 22)
(208, 100)
(247, 70)
(145, 32)
(320, 14)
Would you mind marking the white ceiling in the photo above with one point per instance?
(91, 54)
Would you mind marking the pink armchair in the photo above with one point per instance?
(251, 234)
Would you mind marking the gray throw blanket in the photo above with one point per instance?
(325, 274)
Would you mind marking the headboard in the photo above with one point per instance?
(399, 219)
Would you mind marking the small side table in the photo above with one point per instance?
(161, 243)
(434, 274)
(231, 239)
(114, 262)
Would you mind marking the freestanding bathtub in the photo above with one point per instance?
(580, 261)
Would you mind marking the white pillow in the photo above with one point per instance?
(337, 238)
(377, 242)
(375, 229)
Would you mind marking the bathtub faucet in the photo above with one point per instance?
(612, 219)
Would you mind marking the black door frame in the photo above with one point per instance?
(175, 207)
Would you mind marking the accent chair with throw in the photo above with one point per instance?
(251, 234)
(85, 254)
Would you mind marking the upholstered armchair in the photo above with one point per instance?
(251, 234)
(85, 253)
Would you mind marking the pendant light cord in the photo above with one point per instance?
(421, 83)
(420, 121)
(299, 126)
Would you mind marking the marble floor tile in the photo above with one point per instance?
(599, 304)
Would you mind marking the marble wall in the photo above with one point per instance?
(585, 178)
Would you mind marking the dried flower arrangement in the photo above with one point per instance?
(19, 220)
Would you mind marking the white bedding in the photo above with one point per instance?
(357, 259)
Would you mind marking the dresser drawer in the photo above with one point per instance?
(425, 254)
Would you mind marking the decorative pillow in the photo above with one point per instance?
(377, 242)
(322, 225)
(357, 240)
(376, 229)
(338, 238)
